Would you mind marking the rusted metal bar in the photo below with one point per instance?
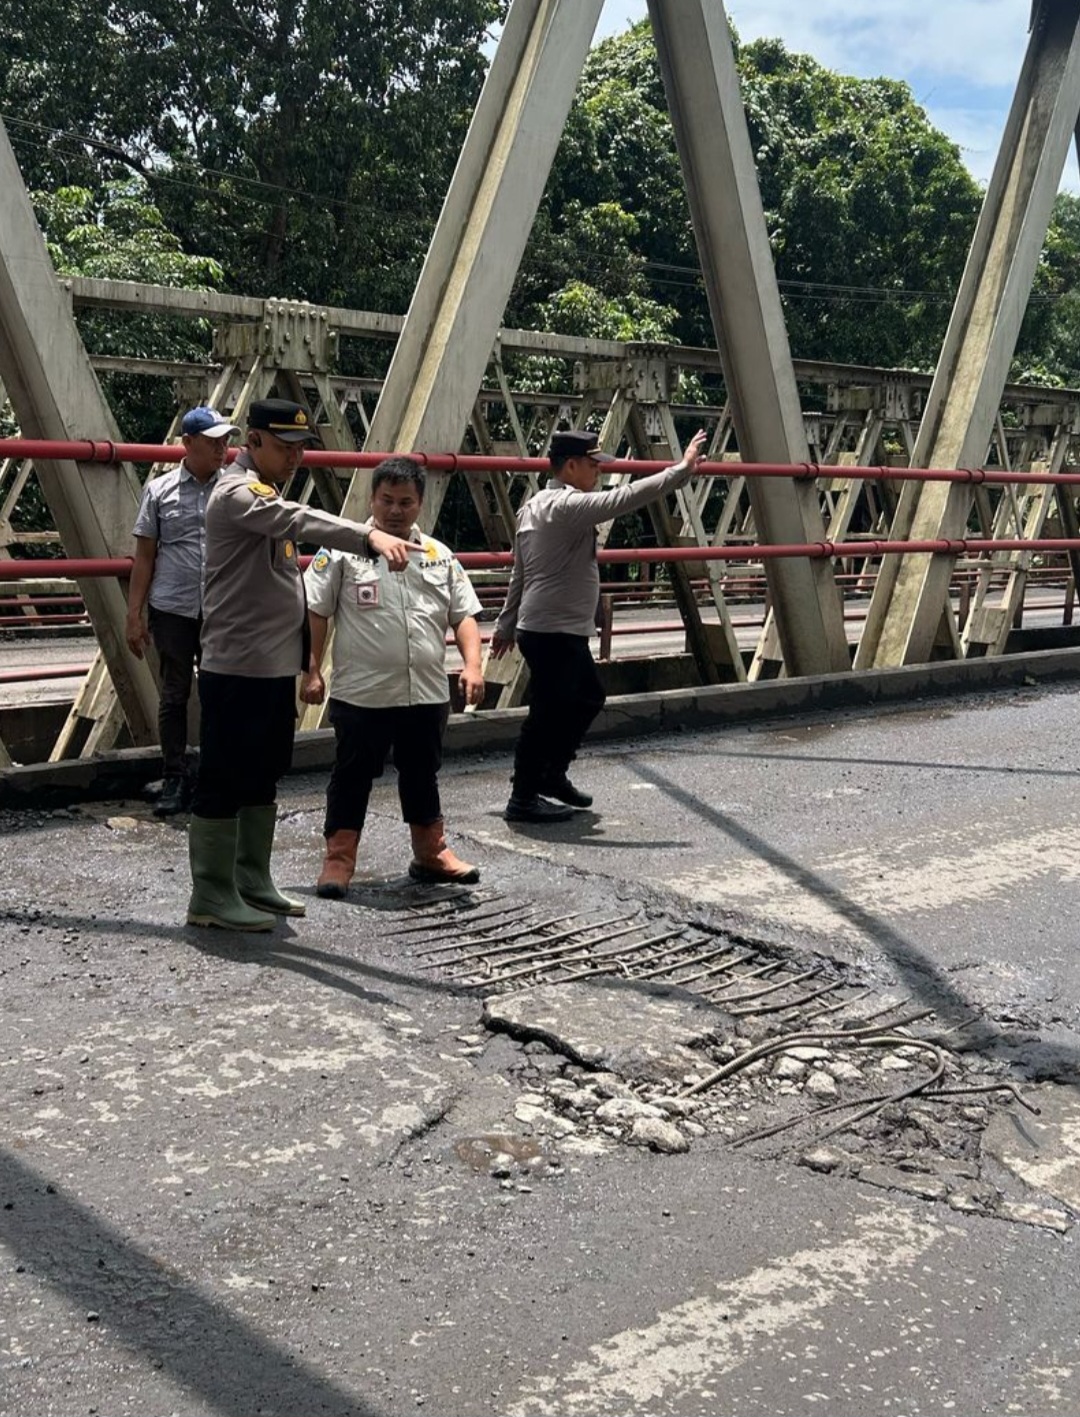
(545, 958)
(603, 961)
(775, 1008)
(774, 988)
(684, 964)
(510, 946)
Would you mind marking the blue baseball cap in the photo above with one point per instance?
(206, 421)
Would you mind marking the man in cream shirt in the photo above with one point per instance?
(388, 686)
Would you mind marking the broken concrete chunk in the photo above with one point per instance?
(608, 1085)
(659, 1135)
(624, 1031)
(819, 1084)
(821, 1158)
(929, 1188)
(678, 1106)
(1040, 1215)
(1043, 1150)
(625, 1109)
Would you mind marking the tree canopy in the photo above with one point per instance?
(869, 208)
(305, 146)
(304, 149)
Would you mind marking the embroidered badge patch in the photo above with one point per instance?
(262, 489)
(290, 550)
(367, 594)
(321, 561)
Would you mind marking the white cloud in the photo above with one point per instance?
(974, 43)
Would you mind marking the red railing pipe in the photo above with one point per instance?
(90, 568)
(91, 450)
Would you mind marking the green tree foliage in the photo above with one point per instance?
(869, 208)
(1048, 351)
(306, 145)
(121, 235)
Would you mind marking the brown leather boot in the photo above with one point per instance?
(339, 865)
(433, 860)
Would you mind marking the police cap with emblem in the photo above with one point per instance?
(577, 444)
(285, 419)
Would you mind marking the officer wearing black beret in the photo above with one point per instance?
(254, 644)
(550, 611)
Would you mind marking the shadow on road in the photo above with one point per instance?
(926, 981)
(907, 764)
(144, 1304)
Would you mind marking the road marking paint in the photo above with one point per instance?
(693, 1344)
(944, 870)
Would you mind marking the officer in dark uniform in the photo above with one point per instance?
(254, 644)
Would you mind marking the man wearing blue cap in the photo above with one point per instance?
(170, 555)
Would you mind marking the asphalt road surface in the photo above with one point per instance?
(310, 1173)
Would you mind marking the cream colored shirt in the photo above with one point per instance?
(390, 626)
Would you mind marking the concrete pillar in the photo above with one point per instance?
(702, 84)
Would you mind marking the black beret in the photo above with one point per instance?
(577, 444)
(285, 419)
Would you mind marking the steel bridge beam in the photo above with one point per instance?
(911, 596)
(55, 394)
(487, 216)
(702, 83)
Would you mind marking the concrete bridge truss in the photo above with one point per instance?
(450, 381)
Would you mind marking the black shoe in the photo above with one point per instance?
(535, 809)
(171, 801)
(563, 790)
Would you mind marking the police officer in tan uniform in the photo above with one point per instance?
(550, 611)
(255, 642)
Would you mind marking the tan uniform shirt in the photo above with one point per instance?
(390, 626)
(254, 615)
(555, 583)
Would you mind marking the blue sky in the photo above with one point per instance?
(961, 57)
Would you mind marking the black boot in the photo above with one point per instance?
(535, 809)
(563, 790)
(172, 800)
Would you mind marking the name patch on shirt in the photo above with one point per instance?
(367, 594)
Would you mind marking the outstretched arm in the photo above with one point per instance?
(592, 508)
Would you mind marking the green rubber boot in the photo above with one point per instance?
(254, 843)
(214, 897)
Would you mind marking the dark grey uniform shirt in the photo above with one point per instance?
(254, 611)
(555, 583)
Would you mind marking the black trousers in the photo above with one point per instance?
(246, 741)
(176, 639)
(364, 737)
(565, 695)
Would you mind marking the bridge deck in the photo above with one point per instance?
(254, 1174)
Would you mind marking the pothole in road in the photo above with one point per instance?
(677, 1031)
